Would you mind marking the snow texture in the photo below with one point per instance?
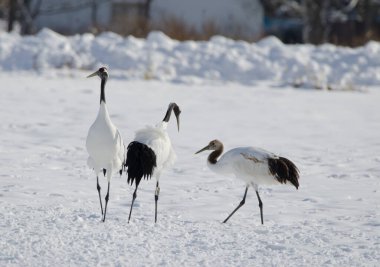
(49, 206)
(218, 60)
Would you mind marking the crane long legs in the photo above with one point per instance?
(238, 207)
(100, 198)
(107, 197)
(261, 207)
(242, 203)
(156, 199)
(157, 192)
(133, 201)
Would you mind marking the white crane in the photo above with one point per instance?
(150, 153)
(254, 166)
(104, 143)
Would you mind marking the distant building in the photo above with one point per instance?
(73, 16)
(244, 17)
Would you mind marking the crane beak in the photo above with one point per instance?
(177, 123)
(203, 149)
(92, 75)
(177, 111)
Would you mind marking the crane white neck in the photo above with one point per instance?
(103, 111)
(218, 166)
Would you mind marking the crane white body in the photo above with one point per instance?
(157, 138)
(105, 145)
(249, 164)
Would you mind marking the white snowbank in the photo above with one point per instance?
(219, 59)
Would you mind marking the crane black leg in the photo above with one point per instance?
(100, 198)
(238, 207)
(261, 207)
(156, 199)
(107, 197)
(133, 201)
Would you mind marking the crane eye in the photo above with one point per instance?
(101, 69)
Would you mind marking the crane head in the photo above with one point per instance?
(172, 107)
(101, 72)
(213, 145)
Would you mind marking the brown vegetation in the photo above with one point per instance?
(174, 27)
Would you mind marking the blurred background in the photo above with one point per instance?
(341, 22)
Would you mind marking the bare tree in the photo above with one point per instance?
(24, 11)
(348, 22)
(94, 10)
(147, 9)
(12, 15)
(315, 21)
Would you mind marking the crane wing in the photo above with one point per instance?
(251, 157)
(121, 147)
(257, 155)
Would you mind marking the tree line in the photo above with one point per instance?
(344, 22)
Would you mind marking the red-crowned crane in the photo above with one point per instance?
(150, 153)
(254, 166)
(104, 143)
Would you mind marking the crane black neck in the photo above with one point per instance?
(213, 157)
(102, 94)
(169, 112)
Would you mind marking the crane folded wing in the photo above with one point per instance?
(284, 170)
(141, 161)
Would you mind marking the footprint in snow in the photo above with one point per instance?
(56, 195)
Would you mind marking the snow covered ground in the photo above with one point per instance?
(49, 210)
(237, 92)
(220, 59)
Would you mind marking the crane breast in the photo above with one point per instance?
(105, 146)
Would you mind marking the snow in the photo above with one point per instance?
(219, 60)
(49, 206)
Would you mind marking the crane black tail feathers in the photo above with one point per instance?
(284, 171)
(141, 161)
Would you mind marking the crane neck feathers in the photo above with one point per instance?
(103, 111)
(213, 157)
(162, 125)
(102, 88)
(168, 113)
